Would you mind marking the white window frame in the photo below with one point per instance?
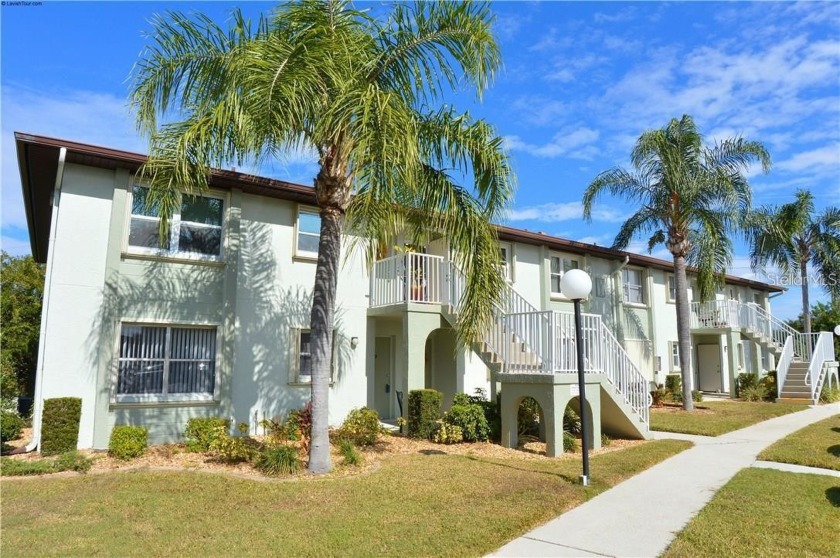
(670, 297)
(294, 368)
(563, 259)
(625, 287)
(175, 230)
(674, 356)
(152, 398)
(506, 257)
(304, 254)
(600, 287)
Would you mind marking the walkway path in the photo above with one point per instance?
(642, 515)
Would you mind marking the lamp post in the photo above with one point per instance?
(576, 285)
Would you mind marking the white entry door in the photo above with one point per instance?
(708, 368)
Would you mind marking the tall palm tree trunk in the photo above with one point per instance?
(332, 192)
(321, 320)
(683, 329)
(806, 305)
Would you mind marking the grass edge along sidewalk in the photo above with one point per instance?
(763, 512)
(714, 418)
(816, 445)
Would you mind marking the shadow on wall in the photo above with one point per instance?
(257, 321)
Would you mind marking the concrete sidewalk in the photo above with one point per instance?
(642, 515)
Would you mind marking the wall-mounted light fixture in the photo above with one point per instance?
(354, 342)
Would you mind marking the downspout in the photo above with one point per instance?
(38, 405)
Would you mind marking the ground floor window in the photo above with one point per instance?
(301, 370)
(166, 360)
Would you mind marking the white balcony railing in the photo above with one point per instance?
(413, 277)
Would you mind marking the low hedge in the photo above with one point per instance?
(423, 411)
(60, 425)
(11, 426)
(128, 442)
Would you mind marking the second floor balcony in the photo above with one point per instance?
(413, 278)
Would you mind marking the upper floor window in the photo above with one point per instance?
(634, 292)
(671, 288)
(166, 361)
(559, 266)
(195, 229)
(308, 233)
(506, 260)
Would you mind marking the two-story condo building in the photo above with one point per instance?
(213, 320)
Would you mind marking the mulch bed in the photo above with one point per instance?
(175, 457)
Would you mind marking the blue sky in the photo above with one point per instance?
(581, 81)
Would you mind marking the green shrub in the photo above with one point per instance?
(447, 433)
(571, 422)
(697, 396)
(299, 424)
(72, 461)
(128, 442)
(361, 427)
(11, 426)
(570, 443)
(658, 395)
(9, 386)
(755, 392)
(492, 412)
(605, 440)
(528, 417)
(745, 380)
(470, 419)
(422, 412)
(349, 451)
(673, 384)
(60, 425)
(200, 432)
(231, 449)
(279, 460)
(769, 383)
(830, 394)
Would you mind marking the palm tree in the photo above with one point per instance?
(359, 91)
(691, 198)
(791, 237)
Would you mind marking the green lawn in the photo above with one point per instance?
(413, 505)
(720, 418)
(762, 512)
(817, 445)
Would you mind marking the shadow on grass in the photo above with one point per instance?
(432, 452)
(834, 450)
(568, 478)
(833, 496)
(835, 428)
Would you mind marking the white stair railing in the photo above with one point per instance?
(783, 365)
(823, 351)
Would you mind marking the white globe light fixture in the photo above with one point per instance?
(576, 284)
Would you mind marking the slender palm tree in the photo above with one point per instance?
(792, 237)
(361, 92)
(690, 197)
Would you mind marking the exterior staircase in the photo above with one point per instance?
(522, 339)
(802, 360)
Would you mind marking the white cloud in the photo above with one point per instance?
(823, 158)
(576, 143)
(567, 211)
